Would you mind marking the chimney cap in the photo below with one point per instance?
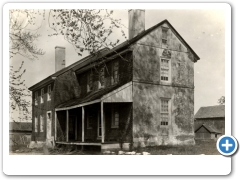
(60, 47)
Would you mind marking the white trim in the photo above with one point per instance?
(79, 105)
(97, 100)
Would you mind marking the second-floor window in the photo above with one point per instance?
(49, 92)
(165, 70)
(36, 98)
(101, 78)
(42, 93)
(115, 72)
(90, 82)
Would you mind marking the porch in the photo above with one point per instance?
(104, 122)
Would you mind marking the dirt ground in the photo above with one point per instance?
(207, 147)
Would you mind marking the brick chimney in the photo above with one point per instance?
(136, 22)
(59, 58)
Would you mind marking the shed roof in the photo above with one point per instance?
(210, 112)
(20, 126)
(208, 128)
(94, 95)
(106, 52)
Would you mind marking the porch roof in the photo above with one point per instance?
(114, 93)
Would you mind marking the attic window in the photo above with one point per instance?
(164, 37)
(90, 82)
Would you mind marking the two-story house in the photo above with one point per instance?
(140, 93)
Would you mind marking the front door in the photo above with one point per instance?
(72, 127)
(49, 124)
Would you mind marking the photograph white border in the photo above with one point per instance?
(116, 165)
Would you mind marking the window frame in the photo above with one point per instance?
(164, 30)
(90, 74)
(101, 73)
(164, 123)
(168, 68)
(42, 94)
(115, 68)
(113, 118)
(36, 98)
(49, 92)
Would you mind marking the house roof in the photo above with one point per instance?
(208, 128)
(20, 126)
(210, 112)
(90, 97)
(106, 52)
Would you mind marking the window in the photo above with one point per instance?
(42, 93)
(36, 98)
(90, 82)
(115, 118)
(164, 37)
(101, 78)
(164, 112)
(115, 72)
(36, 124)
(89, 120)
(164, 70)
(41, 124)
(49, 92)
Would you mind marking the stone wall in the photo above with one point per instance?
(148, 89)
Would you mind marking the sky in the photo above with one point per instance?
(203, 30)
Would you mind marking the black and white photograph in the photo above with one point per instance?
(116, 82)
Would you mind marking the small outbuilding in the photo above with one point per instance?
(209, 122)
(206, 132)
(20, 133)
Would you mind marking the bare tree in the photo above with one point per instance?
(85, 29)
(23, 33)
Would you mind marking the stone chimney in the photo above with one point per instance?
(60, 58)
(136, 22)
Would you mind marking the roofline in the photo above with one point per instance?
(44, 82)
(52, 77)
(208, 117)
(117, 48)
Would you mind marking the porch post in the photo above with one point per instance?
(76, 128)
(82, 124)
(102, 122)
(55, 126)
(67, 124)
